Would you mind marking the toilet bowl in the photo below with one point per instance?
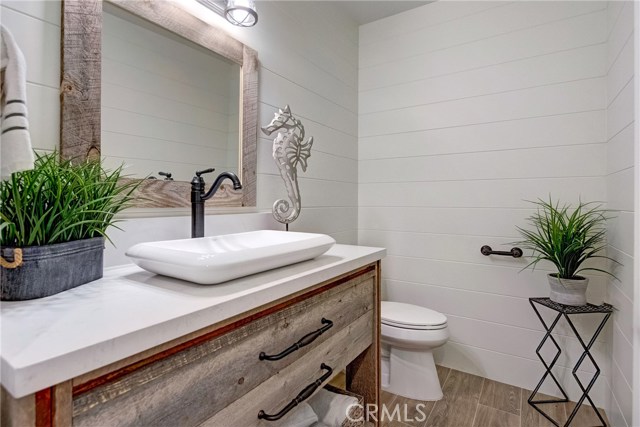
(410, 333)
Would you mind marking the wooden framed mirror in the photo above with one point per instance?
(81, 87)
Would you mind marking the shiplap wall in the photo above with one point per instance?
(167, 104)
(620, 195)
(35, 25)
(308, 55)
(466, 110)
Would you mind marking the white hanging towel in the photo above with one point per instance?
(16, 153)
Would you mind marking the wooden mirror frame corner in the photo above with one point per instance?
(80, 91)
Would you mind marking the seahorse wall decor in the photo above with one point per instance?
(289, 151)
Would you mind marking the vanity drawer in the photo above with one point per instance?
(190, 386)
(275, 393)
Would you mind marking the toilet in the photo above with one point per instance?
(410, 333)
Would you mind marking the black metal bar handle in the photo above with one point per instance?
(305, 340)
(514, 252)
(301, 397)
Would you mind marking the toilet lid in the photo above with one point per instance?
(410, 316)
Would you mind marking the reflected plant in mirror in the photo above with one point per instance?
(289, 150)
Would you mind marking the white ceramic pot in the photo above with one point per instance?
(568, 291)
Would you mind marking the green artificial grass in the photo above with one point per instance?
(60, 201)
(566, 237)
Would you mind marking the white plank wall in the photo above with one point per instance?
(35, 25)
(308, 57)
(466, 110)
(620, 194)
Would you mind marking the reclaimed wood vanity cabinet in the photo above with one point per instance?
(225, 374)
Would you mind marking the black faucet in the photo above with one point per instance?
(198, 197)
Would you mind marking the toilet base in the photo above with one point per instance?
(385, 371)
(411, 374)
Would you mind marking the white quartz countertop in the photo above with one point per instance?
(129, 310)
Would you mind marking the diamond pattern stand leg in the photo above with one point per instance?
(565, 311)
(586, 353)
(548, 368)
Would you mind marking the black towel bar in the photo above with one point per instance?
(514, 252)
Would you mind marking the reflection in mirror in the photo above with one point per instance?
(168, 105)
(81, 93)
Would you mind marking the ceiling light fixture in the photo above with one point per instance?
(241, 13)
(238, 12)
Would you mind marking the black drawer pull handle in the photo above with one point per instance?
(301, 397)
(305, 340)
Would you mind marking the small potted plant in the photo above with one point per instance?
(52, 225)
(567, 238)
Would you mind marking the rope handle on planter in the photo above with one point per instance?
(17, 260)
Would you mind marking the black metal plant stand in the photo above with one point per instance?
(566, 310)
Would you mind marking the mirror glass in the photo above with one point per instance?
(168, 105)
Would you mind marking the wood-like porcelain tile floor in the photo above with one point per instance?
(473, 401)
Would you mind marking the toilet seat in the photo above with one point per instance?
(409, 316)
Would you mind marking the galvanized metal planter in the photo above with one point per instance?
(568, 291)
(50, 269)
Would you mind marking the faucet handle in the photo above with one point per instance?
(198, 173)
(167, 176)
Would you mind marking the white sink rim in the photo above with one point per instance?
(213, 265)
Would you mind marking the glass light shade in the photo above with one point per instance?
(241, 13)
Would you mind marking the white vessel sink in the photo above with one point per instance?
(216, 259)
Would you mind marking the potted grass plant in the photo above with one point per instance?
(52, 225)
(567, 237)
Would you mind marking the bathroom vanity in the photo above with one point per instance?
(134, 348)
